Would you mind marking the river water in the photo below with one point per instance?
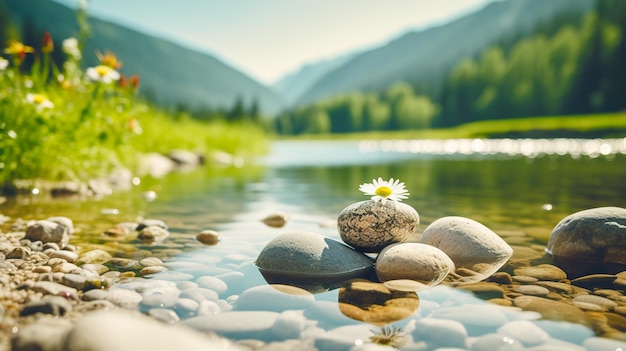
(511, 186)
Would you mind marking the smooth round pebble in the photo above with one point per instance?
(208, 237)
(469, 244)
(414, 261)
(534, 290)
(213, 283)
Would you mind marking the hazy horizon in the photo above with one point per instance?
(270, 39)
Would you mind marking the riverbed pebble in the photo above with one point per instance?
(440, 333)
(591, 236)
(47, 231)
(469, 244)
(542, 272)
(371, 225)
(153, 234)
(208, 237)
(310, 255)
(413, 261)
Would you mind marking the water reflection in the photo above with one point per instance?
(375, 303)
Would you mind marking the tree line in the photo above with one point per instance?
(574, 65)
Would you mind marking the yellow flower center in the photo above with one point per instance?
(39, 99)
(103, 70)
(383, 191)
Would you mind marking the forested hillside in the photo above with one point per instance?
(171, 75)
(424, 57)
(571, 65)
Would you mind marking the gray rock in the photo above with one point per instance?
(47, 231)
(306, 256)
(440, 332)
(124, 298)
(469, 244)
(238, 324)
(526, 332)
(213, 283)
(123, 264)
(54, 305)
(594, 235)
(75, 281)
(274, 297)
(52, 288)
(95, 295)
(20, 253)
(164, 315)
(186, 158)
(69, 256)
(150, 222)
(120, 331)
(45, 334)
(153, 234)
(413, 261)
(69, 225)
(370, 225)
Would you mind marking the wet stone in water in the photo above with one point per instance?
(208, 237)
(305, 256)
(151, 222)
(276, 220)
(123, 264)
(153, 234)
(469, 244)
(590, 241)
(413, 261)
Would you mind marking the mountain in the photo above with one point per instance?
(171, 75)
(425, 57)
(293, 85)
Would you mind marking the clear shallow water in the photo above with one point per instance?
(314, 181)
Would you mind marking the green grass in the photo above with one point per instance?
(79, 128)
(595, 125)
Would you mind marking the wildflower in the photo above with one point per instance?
(109, 59)
(389, 336)
(382, 190)
(4, 63)
(103, 74)
(18, 49)
(39, 100)
(134, 126)
(134, 81)
(48, 44)
(70, 47)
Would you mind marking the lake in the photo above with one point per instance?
(519, 188)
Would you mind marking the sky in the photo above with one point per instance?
(267, 39)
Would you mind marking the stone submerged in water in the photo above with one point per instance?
(370, 225)
(593, 239)
(306, 255)
(469, 244)
(413, 261)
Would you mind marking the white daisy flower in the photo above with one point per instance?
(4, 63)
(102, 73)
(39, 100)
(70, 47)
(382, 190)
